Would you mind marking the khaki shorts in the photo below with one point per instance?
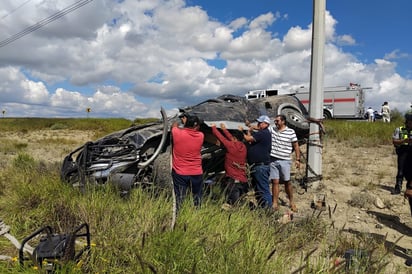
(280, 169)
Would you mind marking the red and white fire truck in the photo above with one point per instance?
(346, 102)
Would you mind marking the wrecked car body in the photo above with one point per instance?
(140, 155)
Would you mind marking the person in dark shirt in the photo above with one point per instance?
(235, 163)
(407, 168)
(401, 139)
(258, 157)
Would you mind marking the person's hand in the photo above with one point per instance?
(222, 126)
(240, 128)
(212, 124)
(297, 164)
(183, 119)
(406, 141)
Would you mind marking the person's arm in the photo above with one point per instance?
(251, 126)
(398, 141)
(226, 132)
(248, 136)
(297, 153)
(219, 135)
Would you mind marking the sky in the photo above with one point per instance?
(129, 58)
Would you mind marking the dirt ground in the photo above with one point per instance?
(355, 176)
(349, 175)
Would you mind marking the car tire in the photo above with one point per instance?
(162, 171)
(296, 120)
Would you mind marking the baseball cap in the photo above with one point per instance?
(263, 118)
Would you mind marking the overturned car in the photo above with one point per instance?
(140, 155)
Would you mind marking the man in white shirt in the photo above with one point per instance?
(370, 111)
(386, 113)
(284, 140)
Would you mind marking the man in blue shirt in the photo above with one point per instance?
(258, 156)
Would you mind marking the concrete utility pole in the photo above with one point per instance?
(314, 172)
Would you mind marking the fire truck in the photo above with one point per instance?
(346, 102)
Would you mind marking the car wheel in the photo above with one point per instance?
(296, 121)
(162, 171)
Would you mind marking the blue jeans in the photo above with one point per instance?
(234, 190)
(260, 182)
(180, 185)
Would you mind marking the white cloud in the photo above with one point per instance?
(262, 21)
(298, 39)
(156, 53)
(346, 40)
(397, 54)
(238, 23)
(35, 92)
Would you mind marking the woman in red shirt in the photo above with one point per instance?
(235, 163)
(187, 160)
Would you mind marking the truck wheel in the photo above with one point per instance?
(162, 171)
(326, 115)
(296, 121)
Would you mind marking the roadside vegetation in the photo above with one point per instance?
(134, 234)
(99, 126)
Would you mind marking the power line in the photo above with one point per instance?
(13, 10)
(44, 22)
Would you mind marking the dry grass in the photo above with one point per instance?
(134, 235)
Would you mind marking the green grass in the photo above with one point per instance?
(103, 126)
(361, 133)
(134, 235)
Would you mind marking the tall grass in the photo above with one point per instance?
(134, 235)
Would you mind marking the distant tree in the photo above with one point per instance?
(4, 112)
(88, 111)
(396, 114)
